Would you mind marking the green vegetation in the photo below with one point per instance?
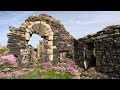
(6, 64)
(39, 73)
(2, 50)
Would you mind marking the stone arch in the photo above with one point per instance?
(25, 33)
(44, 30)
(56, 38)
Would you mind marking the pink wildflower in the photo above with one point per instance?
(46, 65)
(8, 58)
(72, 71)
(59, 68)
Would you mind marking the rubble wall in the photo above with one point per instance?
(106, 50)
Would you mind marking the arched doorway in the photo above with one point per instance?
(35, 42)
(24, 33)
(55, 39)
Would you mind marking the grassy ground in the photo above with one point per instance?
(39, 73)
(3, 50)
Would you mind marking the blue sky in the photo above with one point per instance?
(78, 23)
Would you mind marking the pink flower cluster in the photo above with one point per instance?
(66, 66)
(58, 68)
(69, 62)
(11, 74)
(94, 74)
(72, 71)
(8, 58)
(14, 74)
(46, 65)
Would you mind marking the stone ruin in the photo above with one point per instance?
(100, 50)
(56, 44)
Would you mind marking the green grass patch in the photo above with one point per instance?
(39, 73)
(3, 50)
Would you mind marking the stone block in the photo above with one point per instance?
(27, 36)
(31, 23)
(51, 33)
(50, 37)
(28, 30)
(48, 26)
(50, 43)
(50, 51)
(25, 24)
(37, 22)
(53, 47)
(30, 26)
(44, 23)
(51, 57)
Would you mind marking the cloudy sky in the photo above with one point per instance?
(78, 23)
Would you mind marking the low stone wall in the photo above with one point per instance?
(104, 46)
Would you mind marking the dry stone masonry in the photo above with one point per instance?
(101, 50)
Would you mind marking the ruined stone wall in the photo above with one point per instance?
(56, 38)
(16, 40)
(62, 40)
(106, 49)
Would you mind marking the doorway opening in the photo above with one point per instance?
(92, 54)
(35, 43)
(63, 55)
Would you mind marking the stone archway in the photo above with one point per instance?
(19, 38)
(44, 30)
(55, 39)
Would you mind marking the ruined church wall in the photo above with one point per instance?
(62, 40)
(56, 37)
(107, 50)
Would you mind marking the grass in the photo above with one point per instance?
(39, 73)
(3, 50)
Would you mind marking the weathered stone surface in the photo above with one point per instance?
(51, 57)
(102, 47)
(37, 22)
(52, 47)
(30, 26)
(51, 33)
(27, 36)
(6, 70)
(50, 38)
(28, 30)
(50, 51)
(50, 43)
